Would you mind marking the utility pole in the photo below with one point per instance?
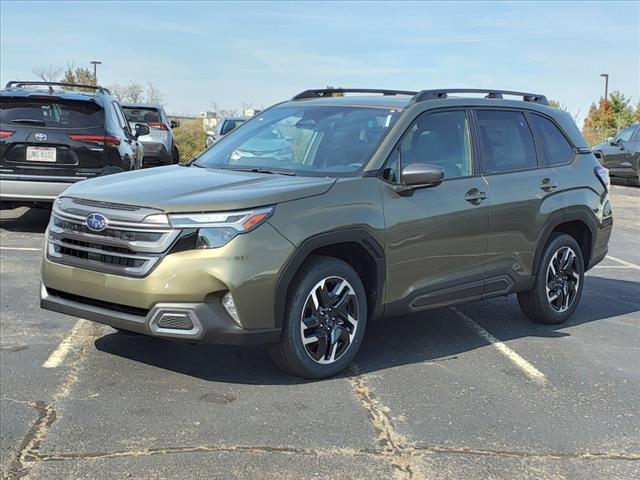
(606, 85)
(95, 64)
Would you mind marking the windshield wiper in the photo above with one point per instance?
(29, 120)
(261, 170)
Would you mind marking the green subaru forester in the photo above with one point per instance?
(334, 209)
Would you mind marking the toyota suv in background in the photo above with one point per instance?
(621, 154)
(388, 204)
(55, 134)
(159, 144)
(224, 126)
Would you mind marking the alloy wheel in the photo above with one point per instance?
(329, 320)
(563, 279)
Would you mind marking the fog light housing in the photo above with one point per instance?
(230, 306)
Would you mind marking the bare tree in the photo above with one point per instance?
(132, 93)
(48, 74)
(153, 94)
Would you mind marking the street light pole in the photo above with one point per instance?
(606, 85)
(95, 64)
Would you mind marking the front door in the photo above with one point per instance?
(436, 238)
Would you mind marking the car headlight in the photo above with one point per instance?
(219, 228)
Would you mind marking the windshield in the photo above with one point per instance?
(303, 139)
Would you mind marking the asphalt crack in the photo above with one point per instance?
(29, 448)
(394, 446)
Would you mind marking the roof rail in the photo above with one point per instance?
(20, 83)
(441, 94)
(338, 92)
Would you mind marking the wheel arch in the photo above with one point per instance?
(357, 247)
(580, 224)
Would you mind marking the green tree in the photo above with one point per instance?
(607, 118)
(79, 75)
(638, 111)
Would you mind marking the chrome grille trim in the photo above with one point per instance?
(163, 243)
(127, 247)
(135, 226)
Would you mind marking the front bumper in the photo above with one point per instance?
(28, 188)
(191, 282)
(195, 322)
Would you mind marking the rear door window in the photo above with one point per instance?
(50, 113)
(507, 141)
(555, 146)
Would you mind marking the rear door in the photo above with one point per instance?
(523, 196)
(51, 135)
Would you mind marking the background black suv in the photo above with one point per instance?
(621, 154)
(55, 134)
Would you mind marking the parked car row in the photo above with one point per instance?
(55, 134)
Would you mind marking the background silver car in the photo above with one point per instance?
(159, 144)
(224, 126)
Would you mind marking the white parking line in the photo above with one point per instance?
(624, 262)
(529, 370)
(22, 249)
(77, 335)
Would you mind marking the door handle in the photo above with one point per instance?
(475, 196)
(548, 185)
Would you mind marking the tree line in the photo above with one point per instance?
(133, 92)
(605, 118)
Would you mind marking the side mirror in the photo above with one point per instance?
(420, 175)
(141, 130)
(610, 141)
(174, 124)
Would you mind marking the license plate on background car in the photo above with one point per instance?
(41, 154)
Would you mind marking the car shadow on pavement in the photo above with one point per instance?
(28, 220)
(432, 336)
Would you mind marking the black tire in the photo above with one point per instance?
(290, 354)
(536, 303)
(175, 155)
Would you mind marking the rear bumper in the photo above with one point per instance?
(156, 154)
(33, 188)
(195, 322)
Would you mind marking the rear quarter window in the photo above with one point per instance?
(50, 113)
(556, 149)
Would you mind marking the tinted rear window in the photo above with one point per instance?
(555, 147)
(50, 113)
(142, 115)
(506, 140)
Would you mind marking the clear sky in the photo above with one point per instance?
(264, 52)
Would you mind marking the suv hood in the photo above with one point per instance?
(191, 189)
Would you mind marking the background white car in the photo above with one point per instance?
(159, 144)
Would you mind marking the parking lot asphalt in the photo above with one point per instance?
(475, 391)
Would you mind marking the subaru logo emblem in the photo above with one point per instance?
(41, 136)
(96, 222)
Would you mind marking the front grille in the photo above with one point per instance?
(125, 235)
(129, 247)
